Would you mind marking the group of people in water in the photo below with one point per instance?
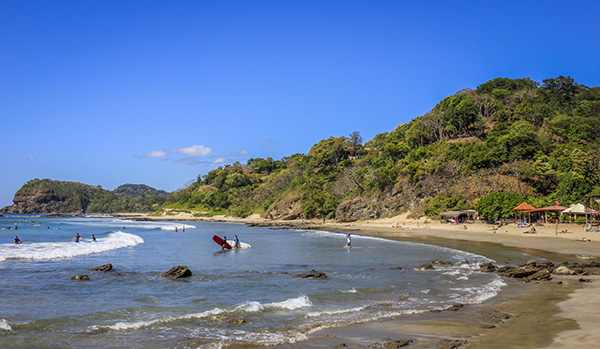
(236, 243)
(76, 238)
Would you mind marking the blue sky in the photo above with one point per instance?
(159, 92)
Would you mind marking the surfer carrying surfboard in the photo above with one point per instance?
(224, 243)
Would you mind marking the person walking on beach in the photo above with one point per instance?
(17, 240)
(77, 237)
(348, 241)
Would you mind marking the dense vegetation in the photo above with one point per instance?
(49, 196)
(138, 189)
(534, 141)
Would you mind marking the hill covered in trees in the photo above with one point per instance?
(49, 196)
(509, 140)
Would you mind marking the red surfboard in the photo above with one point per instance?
(219, 242)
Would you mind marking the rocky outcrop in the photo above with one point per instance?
(382, 204)
(81, 277)
(105, 267)
(286, 209)
(313, 274)
(177, 272)
(391, 344)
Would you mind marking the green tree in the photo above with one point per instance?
(498, 205)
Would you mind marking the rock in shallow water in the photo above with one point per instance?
(177, 272)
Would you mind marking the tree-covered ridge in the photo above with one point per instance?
(50, 196)
(138, 189)
(537, 140)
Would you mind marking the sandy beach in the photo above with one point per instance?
(561, 313)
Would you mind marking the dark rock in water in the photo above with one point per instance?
(312, 274)
(80, 277)
(455, 307)
(488, 267)
(396, 268)
(237, 321)
(506, 269)
(426, 266)
(177, 272)
(116, 274)
(105, 267)
(531, 263)
(546, 265)
(540, 275)
(391, 344)
(452, 343)
(437, 262)
(521, 272)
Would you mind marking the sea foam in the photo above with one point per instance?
(4, 326)
(290, 304)
(58, 250)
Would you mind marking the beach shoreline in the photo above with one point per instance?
(556, 314)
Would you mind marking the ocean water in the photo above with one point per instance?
(234, 297)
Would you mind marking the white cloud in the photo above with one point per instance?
(243, 152)
(32, 159)
(156, 154)
(270, 143)
(219, 161)
(194, 150)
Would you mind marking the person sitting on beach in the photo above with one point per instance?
(532, 231)
(77, 237)
(17, 240)
(464, 227)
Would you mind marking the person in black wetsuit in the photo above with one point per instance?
(17, 240)
(77, 237)
(224, 243)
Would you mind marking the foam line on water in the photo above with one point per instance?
(290, 304)
(58, 250)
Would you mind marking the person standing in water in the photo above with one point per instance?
(348, 241)
(93, 238)
(236, 242)
(224, 243)
(77, 237)
(17, 240)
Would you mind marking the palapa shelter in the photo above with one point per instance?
(523, 207)
(458, 214)
(554, 208)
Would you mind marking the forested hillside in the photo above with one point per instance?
(49, 196)
(509, 139)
